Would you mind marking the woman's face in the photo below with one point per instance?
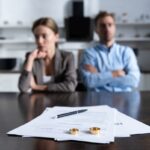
(45, 38)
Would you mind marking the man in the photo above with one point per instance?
(109, 66)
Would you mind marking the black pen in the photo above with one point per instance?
(69, 113)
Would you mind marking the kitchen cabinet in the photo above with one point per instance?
(9, 82)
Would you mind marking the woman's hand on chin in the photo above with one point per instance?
(37, 54)
(41, 54)
(33, 54)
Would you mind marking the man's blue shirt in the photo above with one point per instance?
(106, 60)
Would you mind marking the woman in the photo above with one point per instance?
(46, 68)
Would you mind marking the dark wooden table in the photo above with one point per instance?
(17, 109)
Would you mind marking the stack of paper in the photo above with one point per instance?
(111, 122)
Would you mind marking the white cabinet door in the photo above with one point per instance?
(9, 82)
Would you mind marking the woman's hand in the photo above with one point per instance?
(36, 87)
(36, 54)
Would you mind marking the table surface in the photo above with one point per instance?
(17, 109)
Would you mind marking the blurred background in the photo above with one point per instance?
(16, 39)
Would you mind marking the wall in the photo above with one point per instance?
(134, 9)
(28, 10)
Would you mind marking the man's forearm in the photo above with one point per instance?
(90, 68)
(125, 81)
(118, 73)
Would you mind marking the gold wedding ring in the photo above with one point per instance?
(95, 130)
(74, 131)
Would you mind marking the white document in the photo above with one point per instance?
(111, 122)
(45, 126)
(126, 125)
(100, 116)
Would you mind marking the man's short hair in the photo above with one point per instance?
(103, 14)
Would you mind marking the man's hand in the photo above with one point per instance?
(90, 68)
(118, 73)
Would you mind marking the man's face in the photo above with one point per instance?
(106, 28)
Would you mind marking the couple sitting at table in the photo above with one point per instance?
(107, 66)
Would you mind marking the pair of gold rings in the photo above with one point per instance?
(93, 130)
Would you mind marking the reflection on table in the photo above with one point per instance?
(123, 101)
(33, 104)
